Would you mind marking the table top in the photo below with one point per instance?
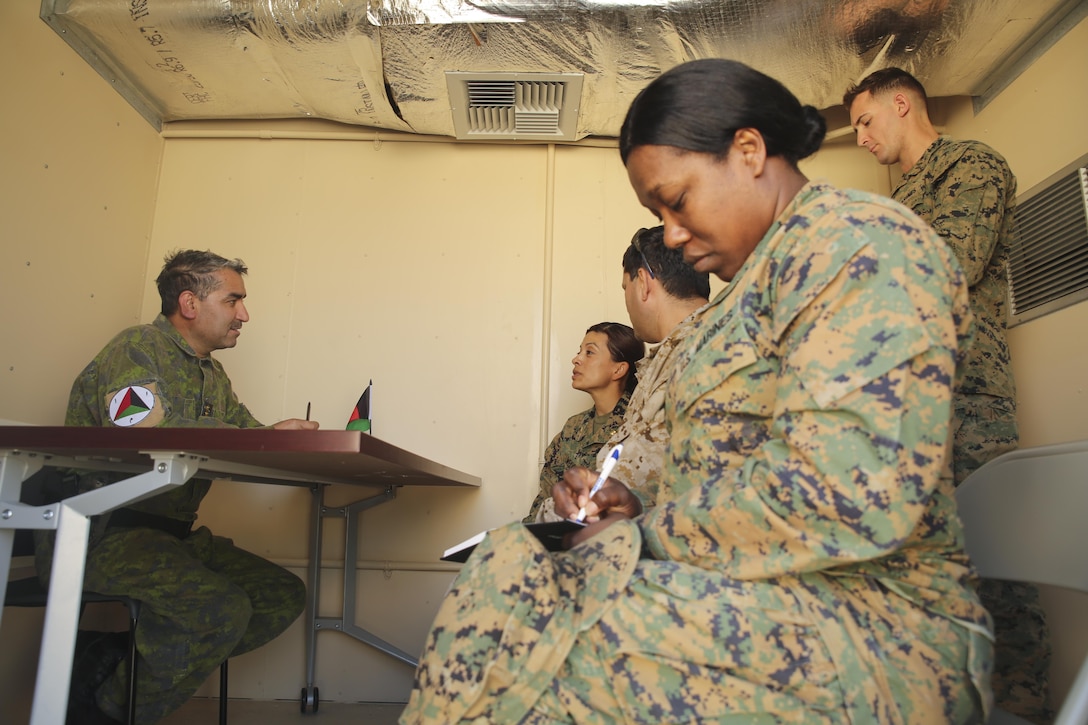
(253, 454)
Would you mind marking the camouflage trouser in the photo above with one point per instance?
(1021, 681)
(203, 600)
(986, 428)
(597, 636)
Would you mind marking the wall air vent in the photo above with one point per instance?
(525, 106)
(1048, 269)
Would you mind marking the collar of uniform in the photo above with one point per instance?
(167, 328)
(924, 162)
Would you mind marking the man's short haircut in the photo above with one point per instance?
(882, 81)
(192, 270)
(647, 249)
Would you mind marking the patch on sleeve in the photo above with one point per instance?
(135, 405)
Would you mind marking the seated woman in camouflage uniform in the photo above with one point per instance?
(605, 368)
(804, 561)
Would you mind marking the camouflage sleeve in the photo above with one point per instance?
(555, 465)
(550, 473)
(970, 200)
(135, 367)
(576, 445)
(857, 438)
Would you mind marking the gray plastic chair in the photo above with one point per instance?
(1023, 515)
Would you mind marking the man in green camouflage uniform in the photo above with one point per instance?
(204, 600)
(966, 192)
(805, 560)
(662, 294)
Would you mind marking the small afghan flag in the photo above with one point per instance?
(360, 416)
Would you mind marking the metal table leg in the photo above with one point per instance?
(71, 519)
(346, 623)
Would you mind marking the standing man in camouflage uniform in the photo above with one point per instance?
(804, 561)
(662, 294)
(966, 192)
(204, 600)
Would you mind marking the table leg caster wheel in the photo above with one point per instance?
(309, 700)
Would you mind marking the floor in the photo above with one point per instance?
(205, 711)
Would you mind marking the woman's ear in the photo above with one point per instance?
(749, 143)
(621, 370)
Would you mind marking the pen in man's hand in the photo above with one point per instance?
(307, 410)
(606, 470)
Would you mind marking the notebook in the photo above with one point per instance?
(550, 533)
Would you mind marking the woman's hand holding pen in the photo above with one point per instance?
(613, 499)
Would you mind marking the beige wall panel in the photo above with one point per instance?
(1049, 355)
(843, 163)
(77, 193)
(416, 265)
(1037, 123)
(596, 213)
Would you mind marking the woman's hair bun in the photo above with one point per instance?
(815, 129)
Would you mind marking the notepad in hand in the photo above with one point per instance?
(550, 533)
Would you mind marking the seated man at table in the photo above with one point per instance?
(204, 599)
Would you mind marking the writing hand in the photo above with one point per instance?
(296, 424)
(572, 492)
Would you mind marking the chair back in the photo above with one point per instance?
(1023, 515)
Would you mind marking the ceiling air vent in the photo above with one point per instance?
(1048, 268)
(526, 106)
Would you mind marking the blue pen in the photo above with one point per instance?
(606, 469)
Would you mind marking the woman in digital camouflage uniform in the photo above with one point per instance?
(804, 561)
(604, 367)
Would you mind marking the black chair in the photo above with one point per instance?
(30, 593)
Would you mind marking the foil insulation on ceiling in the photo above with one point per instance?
(383, 63)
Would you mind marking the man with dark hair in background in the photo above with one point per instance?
(204, 599)
(662, 294)
(966, 192)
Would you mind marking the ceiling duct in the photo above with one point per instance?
(526, 106)
(386, 64)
